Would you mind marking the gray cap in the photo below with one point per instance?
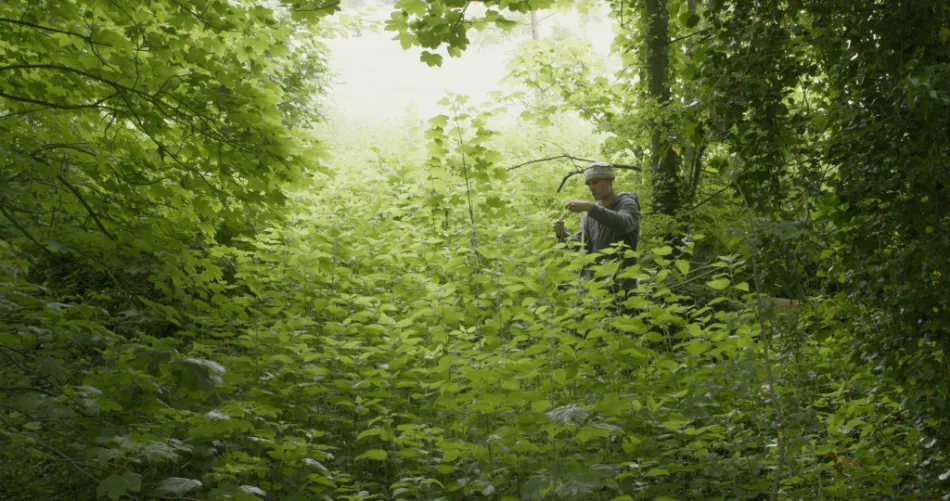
(598, 170)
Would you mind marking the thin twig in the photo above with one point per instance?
(23, 230)
(766, 338)
(54, 30)
(82, 200)
(569, 157)
(11, 389)
(684, 37)
(24, 369)
(69, 460)
(710, 197)
(54, 105)
(616, 166)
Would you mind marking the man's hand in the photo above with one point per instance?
(559, 228)
(579, 206)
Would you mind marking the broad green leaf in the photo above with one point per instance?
(719, 283)
(374, 454)
(683, 266)
(697, 347)
(115, 486)
(568, 413)
(430, 58)
(177, 486)
(368, 433)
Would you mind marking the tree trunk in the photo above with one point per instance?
(665, 161)
(534, 26)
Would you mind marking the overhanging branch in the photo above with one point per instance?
(576, 171)
(615, 166)
(23, 230)
(82, 200)
(569, 157)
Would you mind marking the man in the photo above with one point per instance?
(614, 218)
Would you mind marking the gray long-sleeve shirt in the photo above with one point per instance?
(603, 226)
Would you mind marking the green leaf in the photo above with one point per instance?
(657, 472)
(252, 490)
(177, 486)
(415, 7)
(430, 58)
(368, 433)
(114, 486)
(666, 250)
(568, 413)
(627, 324)
(374, 454)
(683, 266)
(697, 347)
(719, 283)
(201, 374)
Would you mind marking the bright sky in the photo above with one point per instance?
(378, 81)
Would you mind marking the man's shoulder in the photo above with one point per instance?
(627, 197)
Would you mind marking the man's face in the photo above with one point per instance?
(599, 188)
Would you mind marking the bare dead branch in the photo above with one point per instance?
(569, 157)
(616, 166)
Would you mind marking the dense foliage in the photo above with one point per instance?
(200, 301)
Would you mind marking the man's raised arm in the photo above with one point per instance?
(624, 219)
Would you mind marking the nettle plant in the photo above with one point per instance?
(416, 332)
(457, 354)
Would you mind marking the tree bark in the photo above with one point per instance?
(665, 161)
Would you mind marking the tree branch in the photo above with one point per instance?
(569, 157)
(616, 166)
(52, 105)
(23, 230)
(684, 37)
(11, 389)
(82, 200)
(88, 39)
(69, 460)
(765, 332)
(24, 369)
(710, 197)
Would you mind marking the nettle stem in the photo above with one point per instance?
(468, 183)
(766, 337)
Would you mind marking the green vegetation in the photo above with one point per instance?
(205, 293)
